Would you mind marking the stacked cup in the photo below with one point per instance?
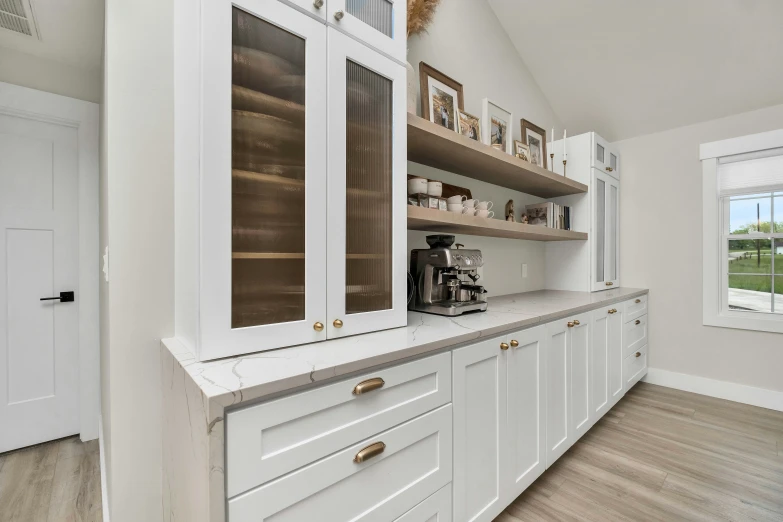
(470, 207)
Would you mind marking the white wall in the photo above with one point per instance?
(46, 75)
(467, 43)
(138, 200)
(661, 249)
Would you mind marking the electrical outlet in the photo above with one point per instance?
(524, 270)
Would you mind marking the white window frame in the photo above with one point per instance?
(715, 311)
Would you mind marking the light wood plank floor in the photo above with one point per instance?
(663, 454)
(59, 481)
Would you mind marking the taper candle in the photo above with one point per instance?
(565, 152)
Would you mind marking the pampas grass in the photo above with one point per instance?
(420, 15)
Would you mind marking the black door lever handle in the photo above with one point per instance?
(65, 297)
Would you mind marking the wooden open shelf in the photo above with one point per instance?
(432, 220)
(439, 147)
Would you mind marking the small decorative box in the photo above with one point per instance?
(426, 201)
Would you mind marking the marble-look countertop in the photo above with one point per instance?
(227, 382)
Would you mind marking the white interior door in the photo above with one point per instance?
(39, 258)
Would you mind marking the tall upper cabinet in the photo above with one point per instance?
(290, 153)
(593, 265)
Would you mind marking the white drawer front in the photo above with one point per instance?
(437, 508)
(634, 335)
(415, 464)
(270, 439)
(636, 308)
(635, 367)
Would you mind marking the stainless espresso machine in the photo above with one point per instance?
(445, 279)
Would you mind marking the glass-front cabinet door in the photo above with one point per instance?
(366, 191)
(605, 237)
(263, 204)
(379, 23)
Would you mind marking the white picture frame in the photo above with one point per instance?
(492, 110)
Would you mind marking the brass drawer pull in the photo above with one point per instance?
(609, 169)
(576, 323)
(613, 311)
(373, 450)
(368, 385)
(638, 301)
(609, 283)
(570, 324)
(638, 354)
(503, 346)
(638, 321)
(514, 343)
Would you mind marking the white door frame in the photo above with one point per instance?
(83, 116)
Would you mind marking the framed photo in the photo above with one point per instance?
(521, 151)
(441, 97)
(496, 128)
(469, 125)
(535, 138)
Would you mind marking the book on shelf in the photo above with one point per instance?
(550, 215)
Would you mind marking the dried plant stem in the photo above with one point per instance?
(420, 15)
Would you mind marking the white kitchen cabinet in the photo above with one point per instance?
(606, 360)
(604, 156)
(605, 260)
(579, 347)
(480, 430)
(277, 242)
(379, 23)
(436, 508)
(526, 402)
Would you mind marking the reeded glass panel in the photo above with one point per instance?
(378, 14)
(268, 174)
(368, 177)
(612, 233)
(750, 214)
(599, 152)
(600, 207)
(613, 161)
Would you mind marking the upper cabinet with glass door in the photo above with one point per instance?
(605, 234)
(604, 157)
(379, 23)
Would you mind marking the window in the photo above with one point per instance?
(743, 232)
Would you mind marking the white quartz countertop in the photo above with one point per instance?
(226, 382)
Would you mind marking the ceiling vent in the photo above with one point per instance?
(18, 16)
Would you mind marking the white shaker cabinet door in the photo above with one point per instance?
(580, 375)
(558, 390)
(605, 235)
(599, 363)
(479, 400)
(366, 255)
(378, 23)
(436, 508)
(526, 400)
(615, 354)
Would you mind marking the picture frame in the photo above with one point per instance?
(441, 97)
(495, 126)
(535, 138)
(521, 151)
(468, 125)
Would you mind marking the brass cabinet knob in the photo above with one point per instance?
(609, 283)
(318, 4)
(638, 301)
(638, 321)
(337, 323)
(318, 327)
(613, 311)
(609, 169)
(514, 343)
(369, 452)
(503, 346)
(338, 15)
(570, 324)
(638, 354)
(576, 323)
(368, 385)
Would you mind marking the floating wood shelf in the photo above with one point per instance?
(432, 220)
(439, 147)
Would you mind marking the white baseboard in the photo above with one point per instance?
(769, 399)
(104, 488)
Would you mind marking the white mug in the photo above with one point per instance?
(456, 200)
(456, 208)
(484, 205)
(485, 213)
(469, 203)
(469, 211)
(434, 188)
(417, 186)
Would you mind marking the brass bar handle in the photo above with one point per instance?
(638, 354)
(373, 450)
(514, 343)
(503, 346)
(609, 283)
(570, 324)
(638, 301)
(576, 323)
(368, 385)
(638, 321)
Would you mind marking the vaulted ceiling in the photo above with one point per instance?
(626, 68)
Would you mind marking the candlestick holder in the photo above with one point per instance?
(552, 160)
(564, 168)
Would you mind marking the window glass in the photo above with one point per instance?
(750, 214)
(750, 293)
(779, 213)
(751, 256)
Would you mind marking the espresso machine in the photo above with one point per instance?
(445, 278)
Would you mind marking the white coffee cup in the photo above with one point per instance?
(469, 211)
(417, 186)
(469, 203)
(456, 200)
(485, 213)
(484, 205)
(456, 209)
(434, 188)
